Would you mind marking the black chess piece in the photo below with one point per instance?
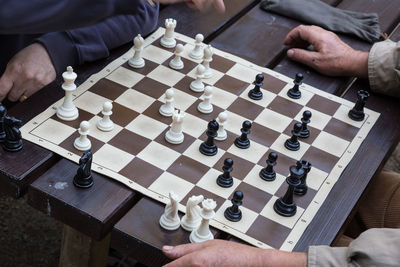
(305, 132)
(83, 177)
(225, 179)
(285, 205)
(208, 147)
(295, 92)
(268, 173)
(3, 112)
(357, 112)
(292, 143)
(256, 93)
(243, 141)
(302, 188)
(13, 139)
(233, 213)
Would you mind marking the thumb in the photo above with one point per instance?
(6, 83)
(302, 56)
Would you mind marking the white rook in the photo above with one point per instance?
(168, 39)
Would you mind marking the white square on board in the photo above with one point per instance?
(53, 131)
(158, 155)
(156, 54)
(273, 120)
(270, 187)
(194, 153)
(101, 135)
(279, 145)
(166, 75)
(209, 183)
(112, 158)
(331, 144)
(135, 100)
(90, 102)
(125, 77)
(146, 126)
(248, 217)
(168, 182)
(269, 213)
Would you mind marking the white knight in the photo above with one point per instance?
(192, 219)
(170, 219)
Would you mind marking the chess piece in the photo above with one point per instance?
(13, 138)
(268, 173)
(176, 63)
(167, 109)
(256, 93)
(83, 177)
(67, 111)
(243, 141)
(221, 133)
(203, 233)
(105, 124)
(293, 143)
(197, 52)
(225, 180)
(208, 53)
(285, 205)
(170, 219)
(137, 61)
(205, 106)
(357, 112)
(295, 92)
(208, 147)
(302, 188)
(191, 220)
(175, 134)
(305, 132)
(198, 85)
(83, 143)
(3, 112)
(233, 213)
(168, 40)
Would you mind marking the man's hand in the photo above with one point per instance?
(27, 72)
(201, 5)
(330, 55)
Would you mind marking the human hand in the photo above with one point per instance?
(26, 73)
(201, 5)
(330, 55)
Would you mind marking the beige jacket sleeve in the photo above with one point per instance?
(374, 247)
(384, 68)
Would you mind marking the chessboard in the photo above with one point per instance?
(136, 153)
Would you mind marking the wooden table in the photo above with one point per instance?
(109, 207)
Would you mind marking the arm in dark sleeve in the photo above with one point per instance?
(40, 16)
(87, 44)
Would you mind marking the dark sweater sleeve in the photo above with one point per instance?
(41, 16)
(75, 47)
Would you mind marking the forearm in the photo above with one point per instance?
(271, 257)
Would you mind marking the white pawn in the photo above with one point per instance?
(176, 63)
(197, 52)
(105, 124)
(83, 143)
(198, 85)
(137, 61)
(170, 219)
(191, 220)
(203, 233)
(205, 106)
(168, 40)
(67, 111)
(175, 135)
(208, 53)
(221, 133)
(167, 109)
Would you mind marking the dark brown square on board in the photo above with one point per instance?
(188, 169)
(141, 172)
(129, 142)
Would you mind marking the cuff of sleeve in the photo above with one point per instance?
(61, 49)
(327, 256)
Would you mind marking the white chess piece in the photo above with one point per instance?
(191, 220)
(167, 109)
(198, 85)
(170, 219)
(176, 63)
(205, 106)
(137, 61)
(168, 40)
(208, 53)
(82, 143)
(221, 133)
(175, 135)
(105, 124)
(197, 52)
(203, 233)
(67, 111)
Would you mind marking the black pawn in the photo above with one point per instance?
(3, 112)
(285, 205)
(268, 173)
(302, 188)
(305, 132)
(256, 93)
(243, 141)
(292, 143)
(233, 213)
(83, 177)
(225, 179)
(13, 138)
(208, 147)
(357, 112)
(295, 92)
